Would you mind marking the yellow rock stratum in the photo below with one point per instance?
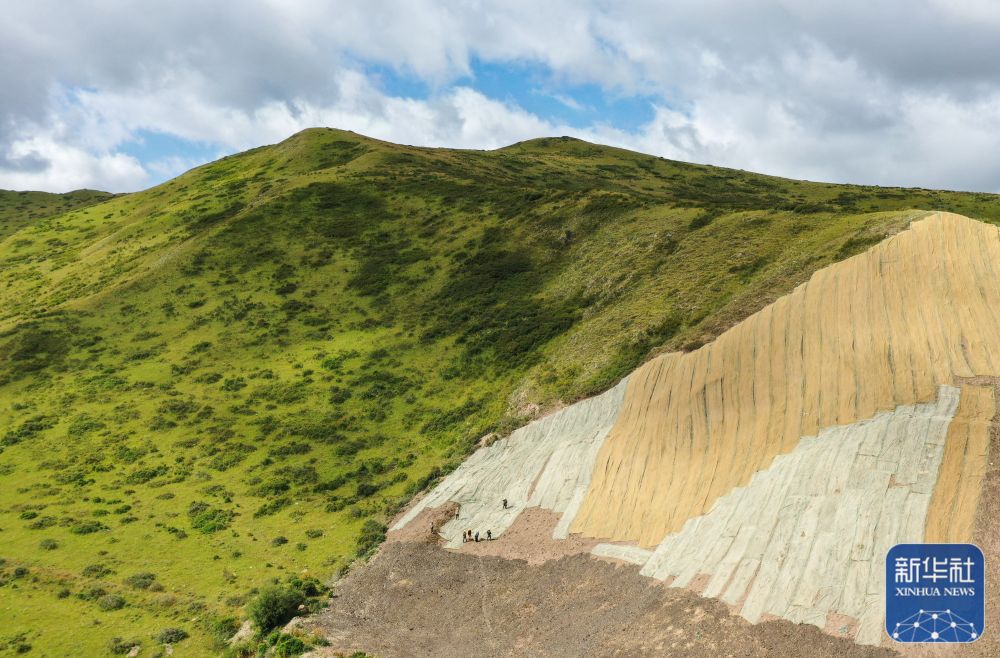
(952, 510)
(879, 330)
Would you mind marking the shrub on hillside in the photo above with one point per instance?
(91, 593)
(110, 602)
(120, 646)
(207, 519)
(274, 606)
(233, 384)
(41, 523)
(271, 487)
(32, 346)
(372, 534)
(288, 449)
(141, 580)
(221, 628)
(272, 506)
(28, 429)
(144, 475)
(704, 218)
(285, 645)
(171, 635)
(87, 527)
(96, 571)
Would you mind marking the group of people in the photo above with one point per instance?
(468, 535)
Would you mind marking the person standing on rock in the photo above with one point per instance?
(505, 503)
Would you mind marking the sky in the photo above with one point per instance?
(119, 96)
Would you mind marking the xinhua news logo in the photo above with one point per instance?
(935, 593)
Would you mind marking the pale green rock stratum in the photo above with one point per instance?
(547, 464)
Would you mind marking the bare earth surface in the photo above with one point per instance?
(530, 595)
(416, 599)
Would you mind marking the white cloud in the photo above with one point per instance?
(70, 168)
(569, 102)
(893, 92)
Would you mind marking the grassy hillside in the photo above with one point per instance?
(20, 209)
(238, 375)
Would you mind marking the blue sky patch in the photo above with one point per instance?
(148, 146)
(534, 88)
(537, 90)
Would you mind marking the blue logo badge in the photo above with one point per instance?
(935, 593)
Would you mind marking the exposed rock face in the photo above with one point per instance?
(876, 331)
(806, 539)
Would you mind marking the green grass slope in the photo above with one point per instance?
(19, 209)
(239, 375)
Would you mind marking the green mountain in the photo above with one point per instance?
(20, 209)
(239, 375)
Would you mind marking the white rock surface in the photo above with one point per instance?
(632, 554)
(547, 463)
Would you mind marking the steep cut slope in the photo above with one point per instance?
(879, 330)
(774, 467)
(806, 538)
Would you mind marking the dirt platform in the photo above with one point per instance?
(416, 599)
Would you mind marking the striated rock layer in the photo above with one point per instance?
(876, 331)
(806, 538)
